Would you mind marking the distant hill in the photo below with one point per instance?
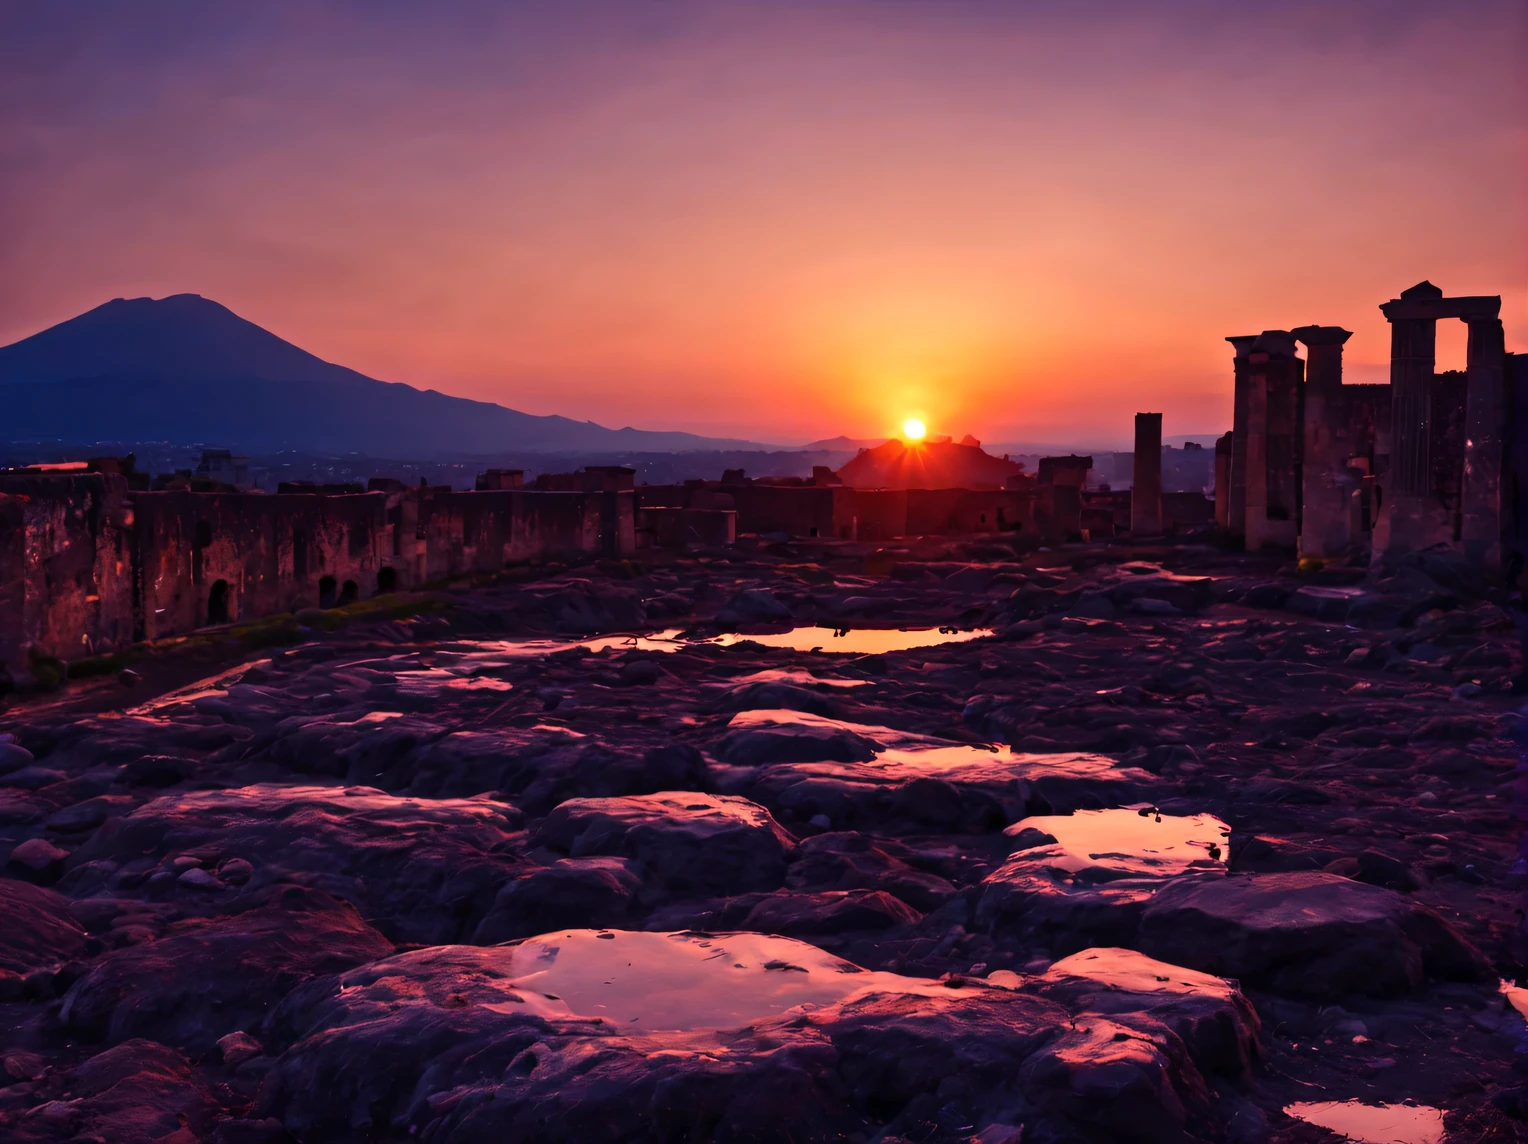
(842, 444)
(930, 465)
(184, 369)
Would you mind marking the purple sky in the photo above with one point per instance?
(772, 219)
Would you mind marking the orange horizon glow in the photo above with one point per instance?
(777, 222)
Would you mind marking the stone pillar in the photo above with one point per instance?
(1484, 424)
(1327, 487)
(1256, 491)
(1146, 485)
(1275, 396)
(1223, 446)
(1236, 501)
(1413, 516)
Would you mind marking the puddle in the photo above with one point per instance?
(1373, 1123)
(428, 681)
(1517, 996)
(855, 641)
(1152, 844)
(901, 755)
(683, 981)
(796, 675)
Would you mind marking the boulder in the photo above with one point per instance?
(754, 606)
(760, 738)
(1313, 935)
(706, 1037)
(850, 861)
(1209, 1014)
(690, 843)
(570, 893)
(38, 931)
(210, 977)
(829, 914)
(137, 1092)
(764, 695)
(417, 869)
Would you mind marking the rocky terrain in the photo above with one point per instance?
(1127, 844)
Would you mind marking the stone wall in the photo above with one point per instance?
(88, 567)
(65, 588)
(203, 558)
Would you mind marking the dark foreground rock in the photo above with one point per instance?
(137, 1092)
(1310, 935)
(418, 869)
(258, 898)
(505, 1044)
(207, 978)
(36, 928)
(690, 843)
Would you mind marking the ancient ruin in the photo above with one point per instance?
(1334, 469)
(1017, 808)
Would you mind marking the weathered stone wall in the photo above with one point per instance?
(87, 567)
(203, 558)
(457, 533)
(944, 512)
(65, 587)
(675, 527)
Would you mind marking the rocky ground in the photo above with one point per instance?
(1188, 839)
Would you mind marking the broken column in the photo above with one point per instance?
(1223, 445)
(1420, 506)
(1275, 383)
(1146, 485)
(1236, 500)
(1481, 529)
(1327, 485)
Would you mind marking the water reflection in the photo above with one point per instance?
(1374, 1123)
(656, 981)
(855, 641)
(1162, 845)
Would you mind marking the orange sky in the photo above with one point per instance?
(777, 220)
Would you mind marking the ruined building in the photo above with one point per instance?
(89, 565)
(1329, 469)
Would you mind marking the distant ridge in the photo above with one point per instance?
(185, 369)
(930, 465)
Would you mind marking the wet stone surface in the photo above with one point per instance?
(942, 843)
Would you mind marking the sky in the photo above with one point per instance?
(775, 219)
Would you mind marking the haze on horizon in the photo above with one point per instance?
(779, 221)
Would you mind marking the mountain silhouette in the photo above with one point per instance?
(186, 370)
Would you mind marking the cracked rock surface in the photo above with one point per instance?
(1123, 843)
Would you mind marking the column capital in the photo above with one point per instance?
(1321, 335)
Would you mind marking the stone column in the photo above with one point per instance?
(1146, 485)
(1223, 445)
(1484, 424)
(1256, 493)
(1413, 355)
(1236, 501)
(1414, 516)
(1327, 486)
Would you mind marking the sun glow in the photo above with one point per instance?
(913, 429)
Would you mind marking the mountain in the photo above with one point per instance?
(842, 444)
(186, 370)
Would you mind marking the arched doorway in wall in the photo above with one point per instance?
(217, 603)
(326, 592)
(387, 581)
(350, 592)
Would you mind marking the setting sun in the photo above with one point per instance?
(913, 429)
